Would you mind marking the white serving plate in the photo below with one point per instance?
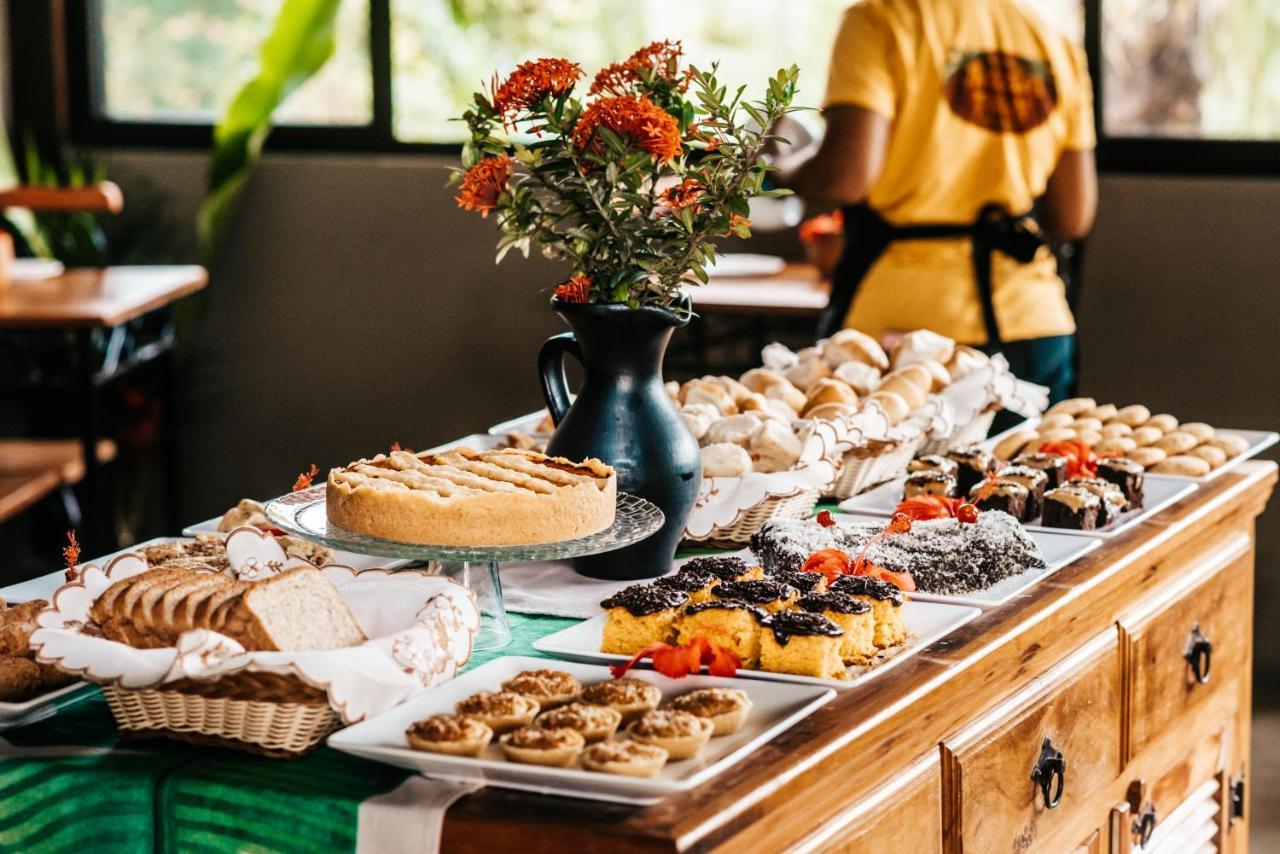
(775, 709)
(1259, 441)
(351, 559)
(745, 264)
(479, 441)
(38, 708)
(926, 622)
(523, 424)
(1160, 492)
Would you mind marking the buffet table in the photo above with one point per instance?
(935, 755)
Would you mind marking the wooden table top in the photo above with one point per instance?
(797, 291)
(850, 748)
(97, 297)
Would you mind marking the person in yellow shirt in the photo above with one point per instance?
(945, 121)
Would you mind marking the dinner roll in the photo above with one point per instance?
(860, 376)
(941, 378)
(828, 391)
(905, 388)
(736, 389)
(757, 379)
(852, 345)
(767, 407)
(697, 420)
(725, 460)
(773, 447)
(965, 361)
(804, 374)
(917, 374)
(736, 430)
(702, 391)
(832, 411)
(672, 389)
(892, 404)
(915, 347)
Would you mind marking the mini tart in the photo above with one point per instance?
(726, 708)
(629, 697)
(500, 711)
(451, 734)
(550, 688)
(681, 734)
(627, 758)
(595, 723)
(531, 745)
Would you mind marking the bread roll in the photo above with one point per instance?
(915, 347)
(1183, 465)
(860, 376)
(672, 388)
(736, 389)
(773, 447)
(19, 679)
(828, 391)
(965, 361)
(736, 430)
(757, 379)
(703, 391)
(832, 411)
(904, 388)
(940, 377)
(892, 404)
(17, 622)
(697, 421)
(767, 408)
(1135, 415)
(725, 460)
(917, 374)
(804, 374)
(852, 345)
(784, 391)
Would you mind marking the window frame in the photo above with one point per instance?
(1154, 155)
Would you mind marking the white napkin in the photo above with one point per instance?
(553, 588)
(409, 818)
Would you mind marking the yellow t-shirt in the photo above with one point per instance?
(984, 97)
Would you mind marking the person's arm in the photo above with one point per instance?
(846, 164)
(1071, 197)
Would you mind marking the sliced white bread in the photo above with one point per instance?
(298, 609)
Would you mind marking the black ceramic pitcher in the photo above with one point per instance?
(624, 417)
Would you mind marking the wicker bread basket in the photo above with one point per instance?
(264, 713)
(969, 433)
(798, 505)
(872, 464)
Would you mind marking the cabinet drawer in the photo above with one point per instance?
(1185, 640)
(992, 802)
(903, 816)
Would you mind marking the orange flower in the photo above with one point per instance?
(662, 59)
(738, 221)
(71, 555)
(650, 127)
(484, 183)
(531, 82)
(682, 195)
(576, 290)
(304, 479)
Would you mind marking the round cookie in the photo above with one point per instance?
(1010, 446)
(1116, 429)
(1147, 457)
(1073, 406)
(1104, 413)
(1182, 465)
(1231, 444)
(1176, 442)
(1163, 422)
(1058, 434)
(1135, 415)
(1147, 435)
(1199, 429)
(1086, 424)
(1116, 445)
(1059, 419)
(1089, 437)
(1211, 455)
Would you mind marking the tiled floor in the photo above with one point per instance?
(1264, 788)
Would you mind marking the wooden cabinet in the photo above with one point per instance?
(904, 817)
(1186, 640)
(1022, 776)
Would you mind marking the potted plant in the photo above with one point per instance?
(629, 186)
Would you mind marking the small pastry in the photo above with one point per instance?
(726, 708)
(886, 603)
(905, 388)
(736, 390)
(1117, 446)
(854, 616)
(19, 679)
(629, 697)
(1182, 465)
(766, 593)
(939, 376)
(1147, 457)
(933, 462)
(594, 723)
(852, 345)
(1135, 415)
(929, 483)
(725, 568)
(1176, 442)
(1230, 443)
(860, 376)
(697, 422)
(1211, 455)
(1127, 475)
(1071, 507)
(701, 391)
(773, 447)
(804, 374)
(1104, 412)
(725, 460)
(1053, 465)
(736, 430)
(681, 734)
(556, 748)
(1073, 406)
(965, 361)
(638, 616)
(891, 404)
(1013, 444)
(1087, 424)
(1007, 496)
(758, 379)
(1056, 421)
(917, 374)
(1199, 429)
(450, 734)
(550, 688)
(627, 758)
(695, 583)
(802, 643)
(1035, 481)
(828, 391)
(1116, 430)
(920, 345)
(1145, 435)
(1113, 501)
(763, 407)
(784, 391)
(727, 623)
(499, 711)
(1164, 423)
(974, 463)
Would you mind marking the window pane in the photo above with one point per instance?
(1066, 15)
(1192, 68)
(443, 50)
(183, 61)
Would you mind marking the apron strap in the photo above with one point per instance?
(866, 236)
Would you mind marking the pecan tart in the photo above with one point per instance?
(630, 697)
(628, 758)
(550, 688)
(464, 497)
(558, 747)
(500, 711)
(681, 734)
(452, 734)
(726, 708)
(596, 723)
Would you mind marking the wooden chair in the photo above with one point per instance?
(95, 198)
(31, 469)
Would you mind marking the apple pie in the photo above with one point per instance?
(464, 497)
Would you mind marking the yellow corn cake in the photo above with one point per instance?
(886, 606)
(638, 616)
(802, 643)
(854, 616)
(729, 624)
(767, 593)
(724, 568)
(695, 583)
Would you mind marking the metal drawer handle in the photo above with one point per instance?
(1199, 654)
(1145, 825)
(1050, 766)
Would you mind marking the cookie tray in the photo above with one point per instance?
(775, 709)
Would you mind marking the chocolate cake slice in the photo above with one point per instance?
(1113, 500)
(929, 483)
(1071, 507)
(973, 464)
(1003, 495)
(1053, 465)
(1035, 481)
(933, 462)
(1127, 475)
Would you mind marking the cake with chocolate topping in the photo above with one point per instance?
(727, 623)
(929, 483)
(767, 593)
(638, 616)
(802, 643)
(1071, 507)
(886, 603)
(695, 582)
(1053, 465)
(853, 615)
(1003, 495)
(1035, 481)
(973, 463)
(724, 567)
(1113, 500)
(933, 462)
(805, 582)
(1126, 474)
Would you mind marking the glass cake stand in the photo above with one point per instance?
(303, 514)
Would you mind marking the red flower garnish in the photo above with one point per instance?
(899, 524)
(649, 127)
(825, 519)
(822, 224)
(533, 81)
(682, 195)
(484, 183)
(676, 662)
(922, 508)
(304, 479)
(659, 60)
(901, 580)
(967, 513)
(1081, 461)
(576, 290)
(71, 555)
(831, 563)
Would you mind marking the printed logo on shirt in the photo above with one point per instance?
(999, 91)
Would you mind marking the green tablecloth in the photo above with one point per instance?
(166, 796)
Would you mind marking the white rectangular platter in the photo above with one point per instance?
(775, 708)
(1259, 441)
(1160, 493)
(926, 621)
(351, 559)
